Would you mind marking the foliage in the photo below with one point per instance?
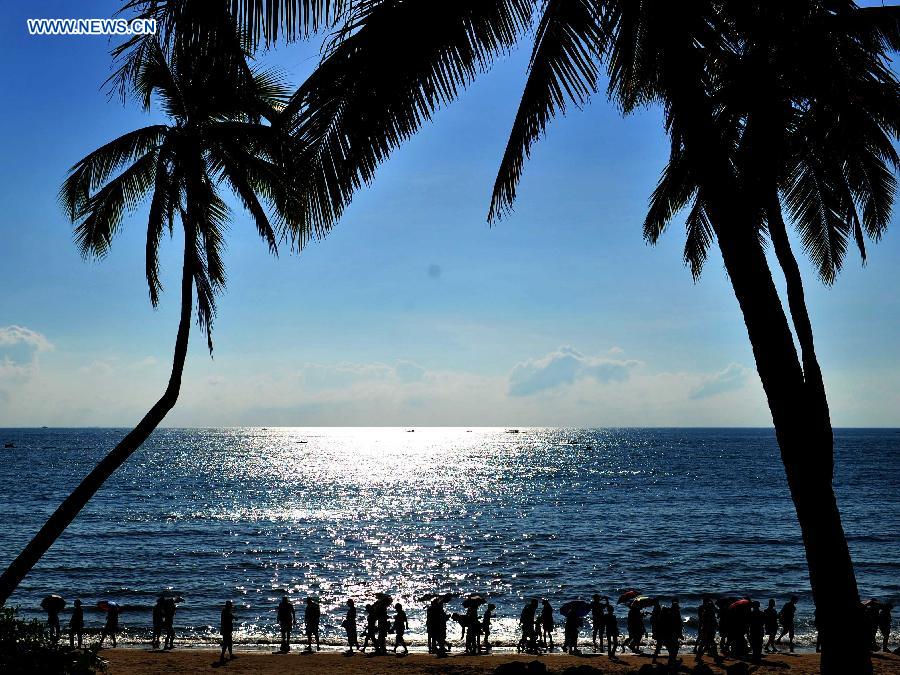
(26, 647)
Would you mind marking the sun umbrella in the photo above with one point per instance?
(473, 601)
(53, 602)
(642, 601)
(106, 605)
(174, 597)
(871, 602)
(627, 595)
(576, 608)
(737, 604)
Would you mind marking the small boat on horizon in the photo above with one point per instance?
(9, 444)
(512, 431)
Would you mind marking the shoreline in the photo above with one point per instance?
(149, 662)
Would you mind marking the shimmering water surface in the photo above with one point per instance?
(249, 513)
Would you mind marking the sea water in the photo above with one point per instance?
(249, 514)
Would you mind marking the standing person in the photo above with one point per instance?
(169, 622)
(665, 633)
(884, 624)
(486, 625)
(706, 629)
(756, 625)
(472, 630)
(787, 621)
(612, 631)
(771, 620)
(440, 627)
(226, 628)
(311, 616)
(369, 630)
(528, 643)
(570, 633)
(677, 620)
(287, 617)
(52, 609)
(76, 625)
(400, 626)
(349, 625)
(547, 624)
(598, 620)
(111, 627)
(635, 625)
(383, 627)
(157, 622)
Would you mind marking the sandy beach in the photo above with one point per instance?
(145, 662)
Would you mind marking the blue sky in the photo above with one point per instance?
(413, 311)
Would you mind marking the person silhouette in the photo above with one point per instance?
(169, 622)
(349, 625)
(598, 620)
(311, 616)
(528, 642)
(612, 631)
(770, 615)
(157, 622)
(707, 625)
(547, 623)
(52, 609)
(884, 624)
(570, 633)
(635, 625)
(226, 628)
(76, 625)
(287, 617)
(486, 625)
(787, 621)
(757, 626)
(472, 629)
(111, 627)
(382, 627)
(369, 630)
(400, 626)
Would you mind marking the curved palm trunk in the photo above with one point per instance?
(71, 507)
(798, 405)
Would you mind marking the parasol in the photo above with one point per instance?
(53, 602)
(627, 595)
(576, 608)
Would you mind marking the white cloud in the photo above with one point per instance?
(16, 335)
(564, 367)
(732, 378)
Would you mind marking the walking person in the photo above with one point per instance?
(400, 626)
(472, 629)
(636, 630)
(52, 609)
(771, 620)
(349, 625)
(76, 625)
(226, 628)
(612, 631)
(706, 630)
(786, 616)
(369, 630)
(486, 625)
(157, 622)
(287, 617)
(571, 628)
(311, 616)
(756, 626)
(884, 624)
(169, 622)
(528, 642)
(111, 627)
(598, 620)
(547, 624)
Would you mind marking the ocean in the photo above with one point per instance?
(251, 513)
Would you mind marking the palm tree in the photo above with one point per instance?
(215, 135)
(392, 63)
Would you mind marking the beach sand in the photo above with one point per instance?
(146, 662)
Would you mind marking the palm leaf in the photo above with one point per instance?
(563, 69)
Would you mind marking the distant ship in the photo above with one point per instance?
(512, 431)
(10, 444)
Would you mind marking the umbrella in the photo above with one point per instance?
(174, 597)
(473, 601)
(576, 607)
(871, 602)
(53, 602)
(737, 604)
(643, 601)
(106, 605)
(627, 595)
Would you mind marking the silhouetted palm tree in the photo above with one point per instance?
(393, 63)
(215, 136)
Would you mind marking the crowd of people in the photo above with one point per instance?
(737, 627)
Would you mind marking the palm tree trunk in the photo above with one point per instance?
(76, 501)
(799, 412)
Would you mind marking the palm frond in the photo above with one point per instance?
(563, 69)
(387, 72)
(102, 213)
(674, 190)
(95, 168)
(700, 237)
